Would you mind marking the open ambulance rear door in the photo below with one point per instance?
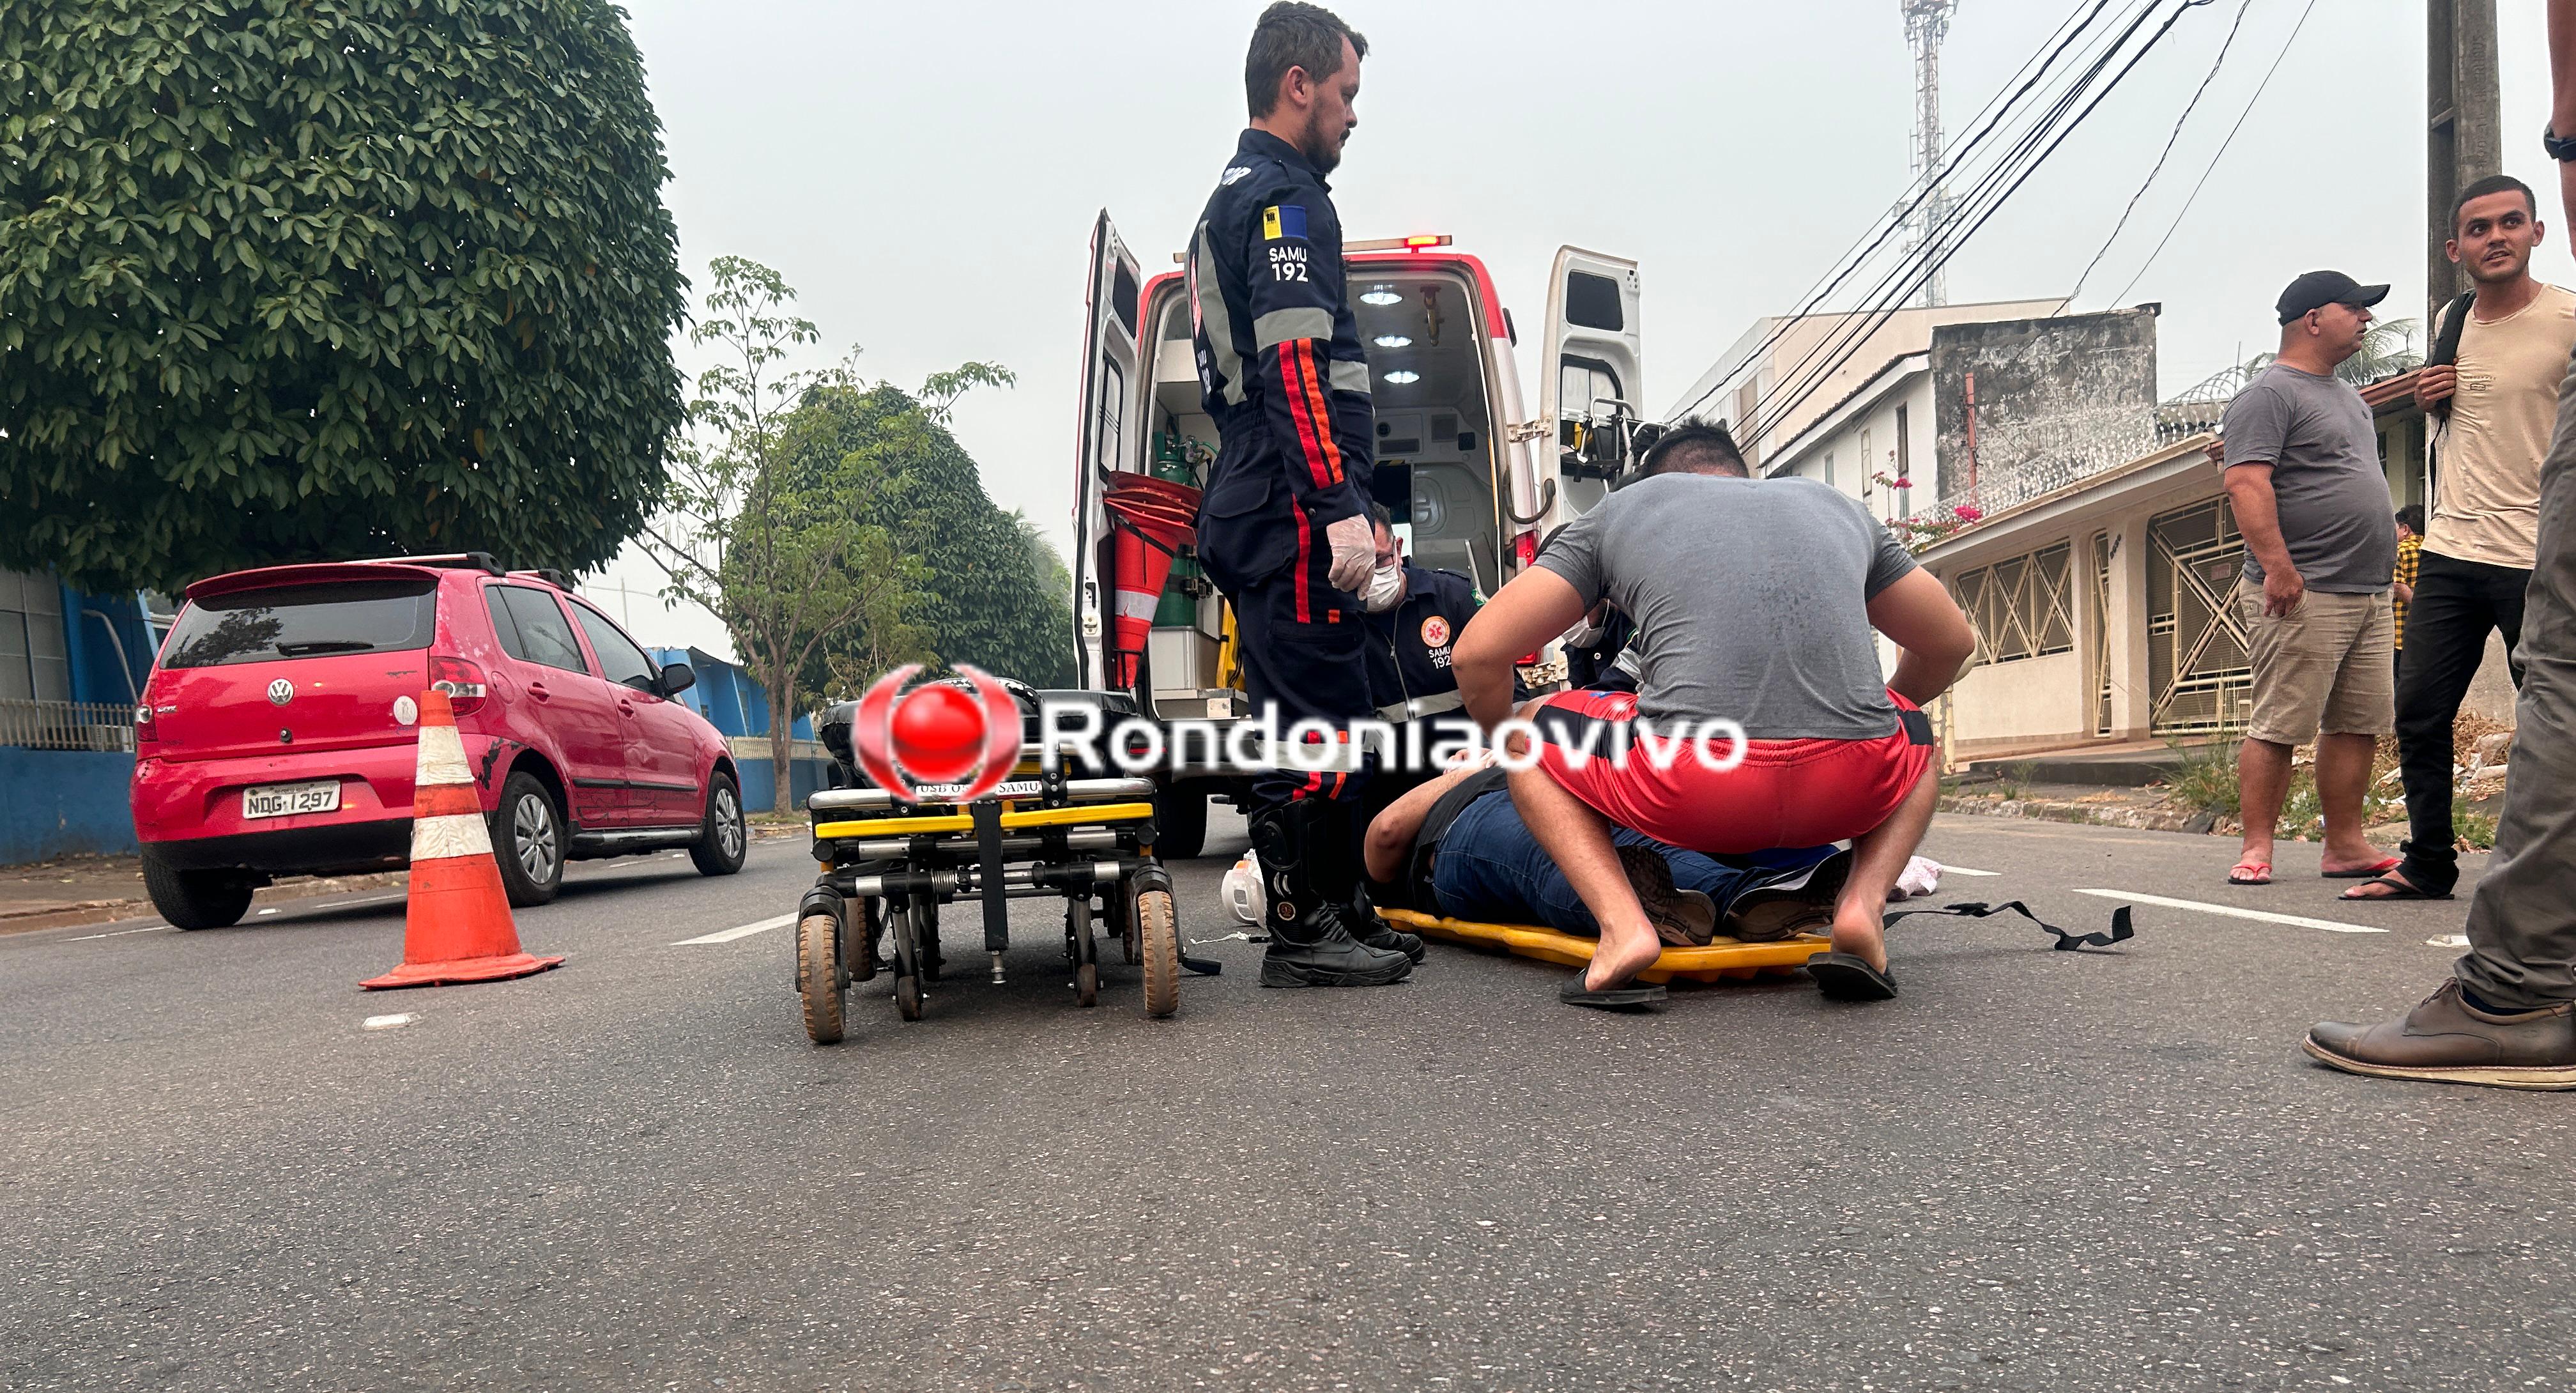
(1112, 387)
(1591, 373)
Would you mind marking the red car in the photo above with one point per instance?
(277, 736)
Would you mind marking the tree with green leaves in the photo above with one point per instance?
(764, 524)
(289, 281)
(987, 597)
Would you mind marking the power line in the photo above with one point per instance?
(2222, 152)
(2188, 108)
(1848, 339)
(2033, 71)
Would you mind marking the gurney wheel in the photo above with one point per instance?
(1122, 908)
(907, 955)
(1086, 950)
(1159, 932)
(818, 977)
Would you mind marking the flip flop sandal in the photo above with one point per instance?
(1630, 996)
(2262, 870)
(2365, 872)
(1845, 977)
(2397, 890)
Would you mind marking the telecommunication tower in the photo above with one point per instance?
(1927, 23)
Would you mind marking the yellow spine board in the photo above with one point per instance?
(1078, 815)
(1722, 960)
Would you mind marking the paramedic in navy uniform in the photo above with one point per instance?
(1284, 527)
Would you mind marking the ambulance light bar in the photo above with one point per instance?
(1420, 241)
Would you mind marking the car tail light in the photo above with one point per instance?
(145, 732)
(460, 680)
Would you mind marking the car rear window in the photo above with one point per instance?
(305, 621)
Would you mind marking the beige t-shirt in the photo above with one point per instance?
(2486, 485)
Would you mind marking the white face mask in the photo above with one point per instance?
(1385, 588)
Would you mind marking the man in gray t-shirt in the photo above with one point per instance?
(2303, 478)
(1760, 720)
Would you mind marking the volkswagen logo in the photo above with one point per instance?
(280, 692)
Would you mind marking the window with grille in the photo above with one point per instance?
(2021, 608)
(33, 663)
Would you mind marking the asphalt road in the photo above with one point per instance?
(2036, 1170)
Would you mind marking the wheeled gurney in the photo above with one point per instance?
(886, 866)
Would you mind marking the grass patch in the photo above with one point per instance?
(2475, 831)
(2206, 780)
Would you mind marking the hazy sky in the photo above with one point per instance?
(926, 175)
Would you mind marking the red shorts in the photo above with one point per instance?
(1784, 793)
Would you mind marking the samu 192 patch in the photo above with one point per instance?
(1435, 632)
(1282, 221)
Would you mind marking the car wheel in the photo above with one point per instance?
(1180, 820)
(726, 839)
(528, 840)
(195, 899)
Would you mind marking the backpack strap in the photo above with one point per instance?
(2066, 942)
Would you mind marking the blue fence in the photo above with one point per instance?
(64, 803)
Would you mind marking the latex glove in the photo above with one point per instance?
(1385, 589)
(1354, 545)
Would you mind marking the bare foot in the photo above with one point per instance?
(2373, 890)
(1863, 935)
(1622, 956)
(2353, 861)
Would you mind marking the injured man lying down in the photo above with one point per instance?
(1456, 848)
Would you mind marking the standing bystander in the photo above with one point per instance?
(2303, 477)
(2495, 405)
(2507, 1015)
(2401, 591)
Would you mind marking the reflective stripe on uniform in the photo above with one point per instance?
(437, 838)
(1422, 706)
(1302, 322)
(1216, 326)
(1306, 406)
(1348, 377)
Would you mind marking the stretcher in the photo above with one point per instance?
(887, 866)
(1722, 960)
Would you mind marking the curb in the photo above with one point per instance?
(2086, 814)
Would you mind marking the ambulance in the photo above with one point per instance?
(1469, 478)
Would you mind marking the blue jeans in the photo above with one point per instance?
(1491, 870)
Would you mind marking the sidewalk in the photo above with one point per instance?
(98, 889)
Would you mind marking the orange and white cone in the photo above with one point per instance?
(458, 927)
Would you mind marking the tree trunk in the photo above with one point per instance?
(782, 740)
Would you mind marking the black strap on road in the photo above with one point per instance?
(2066, 942)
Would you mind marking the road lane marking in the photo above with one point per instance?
(1948, 869)
(120, 933)
(2296, 921)
(739, 931)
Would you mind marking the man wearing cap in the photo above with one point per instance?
(2303, 477)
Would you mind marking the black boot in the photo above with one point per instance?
(1340, 876)
(1310, 936)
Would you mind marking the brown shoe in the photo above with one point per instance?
(1682, 918)
(2446, 1040)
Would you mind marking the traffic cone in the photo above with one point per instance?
(457, 927)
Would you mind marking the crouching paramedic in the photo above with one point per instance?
(1753, 601)
(1283, 529)
(1415, 615)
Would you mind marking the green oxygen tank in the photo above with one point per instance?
(1179, 608)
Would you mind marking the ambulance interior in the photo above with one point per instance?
(1435, 453)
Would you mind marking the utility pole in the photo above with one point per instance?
(2464, 139)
